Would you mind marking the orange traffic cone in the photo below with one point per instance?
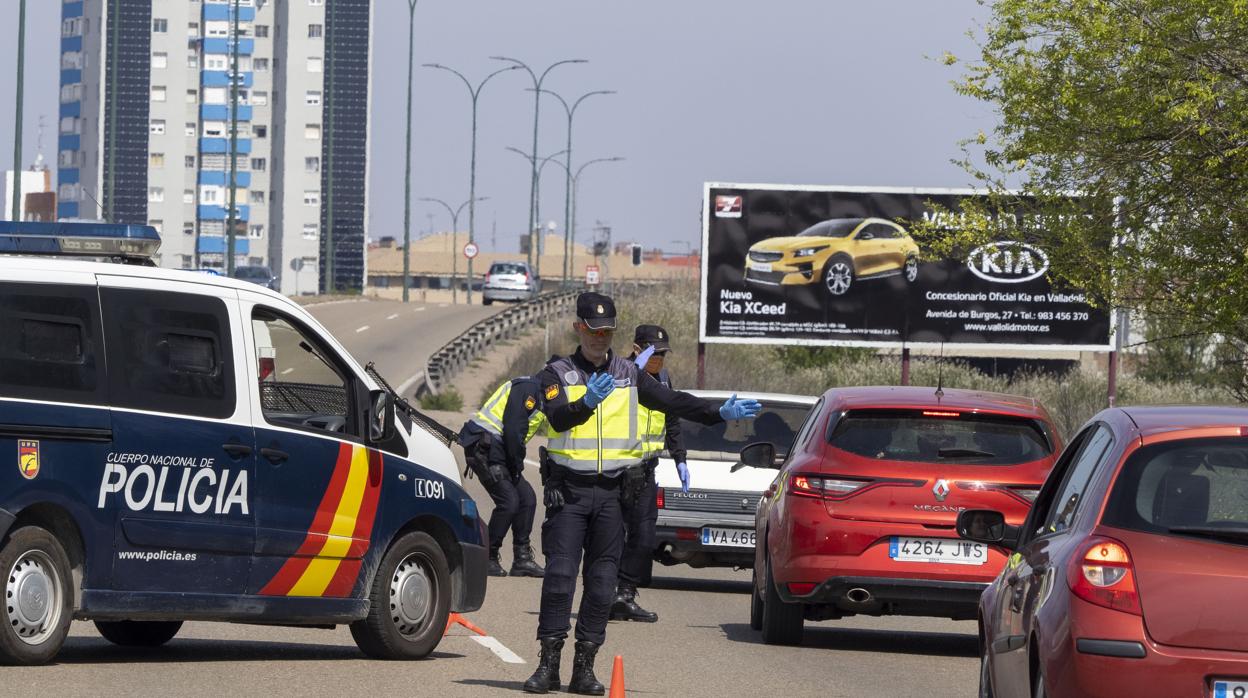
(617, 678)
(456, 619)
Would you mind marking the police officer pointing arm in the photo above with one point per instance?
(592, 401)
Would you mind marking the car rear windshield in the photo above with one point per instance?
(1190, 487)
(777, 423)
(837, 228)
(507, 269)
(252, 273)
(940, 436)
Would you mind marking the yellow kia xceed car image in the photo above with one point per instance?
(835, 253)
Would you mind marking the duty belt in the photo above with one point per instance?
(572, 476)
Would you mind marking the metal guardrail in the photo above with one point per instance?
(446, 362)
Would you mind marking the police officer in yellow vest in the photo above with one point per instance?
(493, 442)
(641, 512)
(592, 404)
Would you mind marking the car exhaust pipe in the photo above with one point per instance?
(858, 595)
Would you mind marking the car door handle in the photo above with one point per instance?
(274, 456)
(236, 450)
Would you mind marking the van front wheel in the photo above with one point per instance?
(38, 593)
(409, 602)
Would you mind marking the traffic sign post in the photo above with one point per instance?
(591, 275)
(471, 250)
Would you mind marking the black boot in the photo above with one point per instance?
(546, 676)
(583, 680)
(626, 608)
(495, 568)
(523, 564)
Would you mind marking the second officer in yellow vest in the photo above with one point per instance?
(494, 447)
(592, 401)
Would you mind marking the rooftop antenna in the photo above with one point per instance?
(940, 375)
(38, 165)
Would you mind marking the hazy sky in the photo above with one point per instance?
(788, 91)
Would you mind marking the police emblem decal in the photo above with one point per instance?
(571, 377)
(28, 458)
(529, 403)
(600, 309)
(551, 391)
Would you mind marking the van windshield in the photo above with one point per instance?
(936, 436)
(778, 423)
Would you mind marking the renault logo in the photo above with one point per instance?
(941, 490)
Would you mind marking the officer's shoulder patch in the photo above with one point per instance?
(551, 392)
(529, 403)
(571, 377)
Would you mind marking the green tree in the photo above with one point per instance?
(1138, 103)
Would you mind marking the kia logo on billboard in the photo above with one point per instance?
(1008, 262)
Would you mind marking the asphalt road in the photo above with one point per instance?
(702, 645)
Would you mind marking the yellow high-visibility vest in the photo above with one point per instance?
(653, 427)
(490, 416)
(611, 439)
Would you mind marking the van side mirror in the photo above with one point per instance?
(987, 526)
(380, 416)
(761, 454)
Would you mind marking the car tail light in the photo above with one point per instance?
(268, 366)
(940, 413)
(659, 497)
(687, 534)
(487, 277)
(821, 487)
(1105, 576)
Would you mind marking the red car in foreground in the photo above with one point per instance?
(860, 518)
(1130, 575)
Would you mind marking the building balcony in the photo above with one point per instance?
(221, 78)
(218, 177)
(222, 145)
(221, 112)
(216, 11)
(213, 212)
(213, 45)
(216, 245)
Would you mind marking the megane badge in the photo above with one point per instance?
(941, 490)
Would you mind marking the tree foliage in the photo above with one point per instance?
(1141, 106)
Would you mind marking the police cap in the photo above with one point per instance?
(652, 335)
(596, 310)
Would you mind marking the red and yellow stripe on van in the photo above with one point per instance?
(328, 562)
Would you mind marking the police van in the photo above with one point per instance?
(178, 446)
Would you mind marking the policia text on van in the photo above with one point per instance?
(178, 446)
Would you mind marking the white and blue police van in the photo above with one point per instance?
(179, 446)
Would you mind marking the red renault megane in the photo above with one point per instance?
(1130, 575)
(860, 518)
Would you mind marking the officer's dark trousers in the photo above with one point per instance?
(640, 520)
(589, 521)
(515, 505)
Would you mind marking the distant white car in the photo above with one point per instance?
(510, 281)
(712, 525)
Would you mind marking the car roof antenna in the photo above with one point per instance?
(940, 375)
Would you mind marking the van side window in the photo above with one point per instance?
(49, 348)
(169, 352)
(300, 384)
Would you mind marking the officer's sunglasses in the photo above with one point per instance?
(603, 332)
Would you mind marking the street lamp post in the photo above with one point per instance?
(567, 193)
(407, 153)
(537, 211)
(454, 212)
(576, 180)
(475, 93)
(17, 120)
(537, 104)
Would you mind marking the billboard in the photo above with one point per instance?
(837, 266)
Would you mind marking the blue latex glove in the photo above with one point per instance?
(682, 469)
(598, 387)
(739, 409)
(644, 357)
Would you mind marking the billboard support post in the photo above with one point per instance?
(701, 383)
(905, 366)
(1112, 389)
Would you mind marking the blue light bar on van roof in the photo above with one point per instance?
(78, 238)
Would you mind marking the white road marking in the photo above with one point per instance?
(391, 317)
(287, 371)
(419, 309)
(443, 305)
(498, 648)
(361, 329)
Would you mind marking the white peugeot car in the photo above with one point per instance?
(712, 525)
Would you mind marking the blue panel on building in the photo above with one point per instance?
(72, 43)
(221, 112)
(70, 10)
(222, 145)
(71, 109)
(217, 177)
(220, 78)
(216, 245)
(216, 11)
(67, 176)
(70, 141)
(213, 212)
(67, 209)
(222, 46)
(69, 77)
